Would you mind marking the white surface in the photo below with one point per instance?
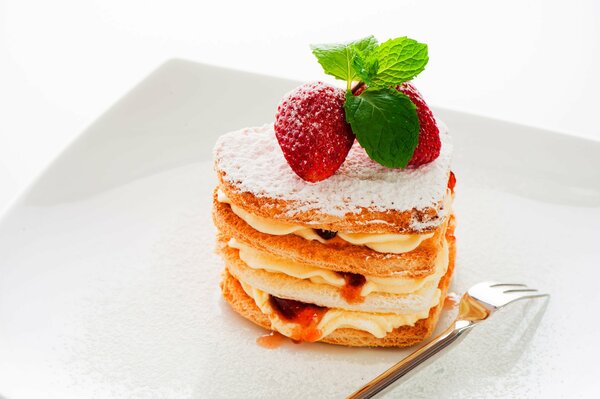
(64, 62)
(109, 285)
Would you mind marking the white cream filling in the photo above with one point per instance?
(378, 324)
(380, 242)
(256, 259)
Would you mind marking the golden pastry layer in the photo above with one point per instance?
(336, 254)
(323, 294)
(262, 261)
(396, 243)
(365, 221)
(361, 197)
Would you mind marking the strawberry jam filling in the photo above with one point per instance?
(451, 182)
(353, 287)
(306, 315)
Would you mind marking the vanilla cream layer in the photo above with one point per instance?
(380, 242)
(378, 324)
(256, 259)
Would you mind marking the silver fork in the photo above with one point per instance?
(476, 305)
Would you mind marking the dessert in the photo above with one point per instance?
(327, 238)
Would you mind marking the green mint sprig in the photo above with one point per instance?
(338, 60)
(384, 120)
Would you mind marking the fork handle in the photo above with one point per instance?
(451, 335)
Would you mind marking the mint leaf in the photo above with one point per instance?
(399, 60)
(385, 123)
(365, 45)
(365, 65)
(338, 59)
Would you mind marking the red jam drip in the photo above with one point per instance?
(271, 341)
(306, 315)
(451, 182)
(353, 287)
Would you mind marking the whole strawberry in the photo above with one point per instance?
(312, 131)
(429, 145)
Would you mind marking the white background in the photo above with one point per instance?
(62, 63)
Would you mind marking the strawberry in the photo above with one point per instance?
(429, 145)
(312, 131)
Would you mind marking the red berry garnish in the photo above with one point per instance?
(429, 145)
(312, 131)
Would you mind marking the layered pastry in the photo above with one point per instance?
(365, 259)
(330, 248)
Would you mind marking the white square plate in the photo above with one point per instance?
(109, 287)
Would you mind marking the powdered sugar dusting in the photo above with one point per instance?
(252, 161)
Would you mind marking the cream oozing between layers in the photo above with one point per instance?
(378, 324)
(261, 260)
(380, 242)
